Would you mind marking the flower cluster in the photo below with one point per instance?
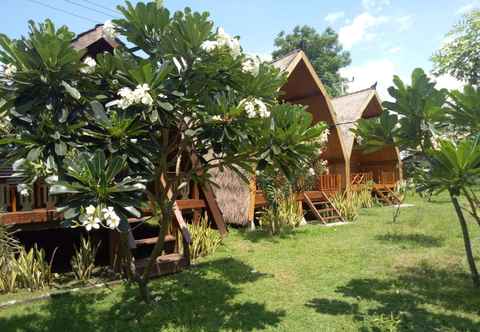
(110, 30)
(131, 97)
(9, 70)
(94, 216)
(23, 189)
(223, 40)
(255, 108)
(252, 65)
(90, 65)
(323, 139)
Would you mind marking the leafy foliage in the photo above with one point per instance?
(459, 55)
(465, 109)
(324, 50)
(193, 101)
(83, 260)
(205, 240)
(453, 167)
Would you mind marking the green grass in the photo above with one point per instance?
(372, 275)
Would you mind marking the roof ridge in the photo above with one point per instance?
(297, 50)
(355, 92)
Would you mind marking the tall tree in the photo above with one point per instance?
(324, 50)
(460, 56)
(440, 128)
(99, 130)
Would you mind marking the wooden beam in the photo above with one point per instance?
(214, 209)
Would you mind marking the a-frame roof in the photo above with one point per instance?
(94, 41)
(352, 107)
(298, 62)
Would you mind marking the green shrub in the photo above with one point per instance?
(9, 246)
(205, 240)
(284, 216)
(364, 195)
(83, 260)
(32, 270)
(348, 204)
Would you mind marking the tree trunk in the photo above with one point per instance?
(144, 279)
(466, 240)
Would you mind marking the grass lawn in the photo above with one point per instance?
(372, 275)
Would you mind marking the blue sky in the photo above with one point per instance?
(385, 37)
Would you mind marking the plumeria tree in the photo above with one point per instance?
(137, 126)
(440, 129)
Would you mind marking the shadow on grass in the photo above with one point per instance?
(411, 240)
(199, 299)
(419, 298)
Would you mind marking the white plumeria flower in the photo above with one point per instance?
(252, 65)
(224, 40)
(9, 70)
(90, 222)
(23, 189)
(111, 217)
(110, 30)
(90, 65)
(324, 137)
(90, 210)
(217, 118)
(311, 171)
(255, 108)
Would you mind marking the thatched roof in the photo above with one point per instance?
(352, 107)
(283, 63)
(232, 195)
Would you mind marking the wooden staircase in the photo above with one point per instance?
(386, 195)
(323, 208)
(175, 256)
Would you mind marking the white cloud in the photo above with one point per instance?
(468, 7)
(448, 82)
(394, 50)
(404, 22)
(375, 5)
(333, 17)
(360, 29)
(366, 74)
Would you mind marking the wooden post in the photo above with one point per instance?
(197, 215)
(251, 206)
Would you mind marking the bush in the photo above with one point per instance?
(364, 195)
(205, 240)
(83, 260)
(9, 246)
(31, 269)
(284, 216)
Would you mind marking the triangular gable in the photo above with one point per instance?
(352, 107)
(305, 87)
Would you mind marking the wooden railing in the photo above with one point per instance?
(388, 178)
(12, 201)
(361, 178)
(329, 183)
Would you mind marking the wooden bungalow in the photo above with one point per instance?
(303, 87)
(37, 221)
(383, 168)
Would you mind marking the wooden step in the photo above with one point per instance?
(326, 210)
(153, 240)
(165, 264)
